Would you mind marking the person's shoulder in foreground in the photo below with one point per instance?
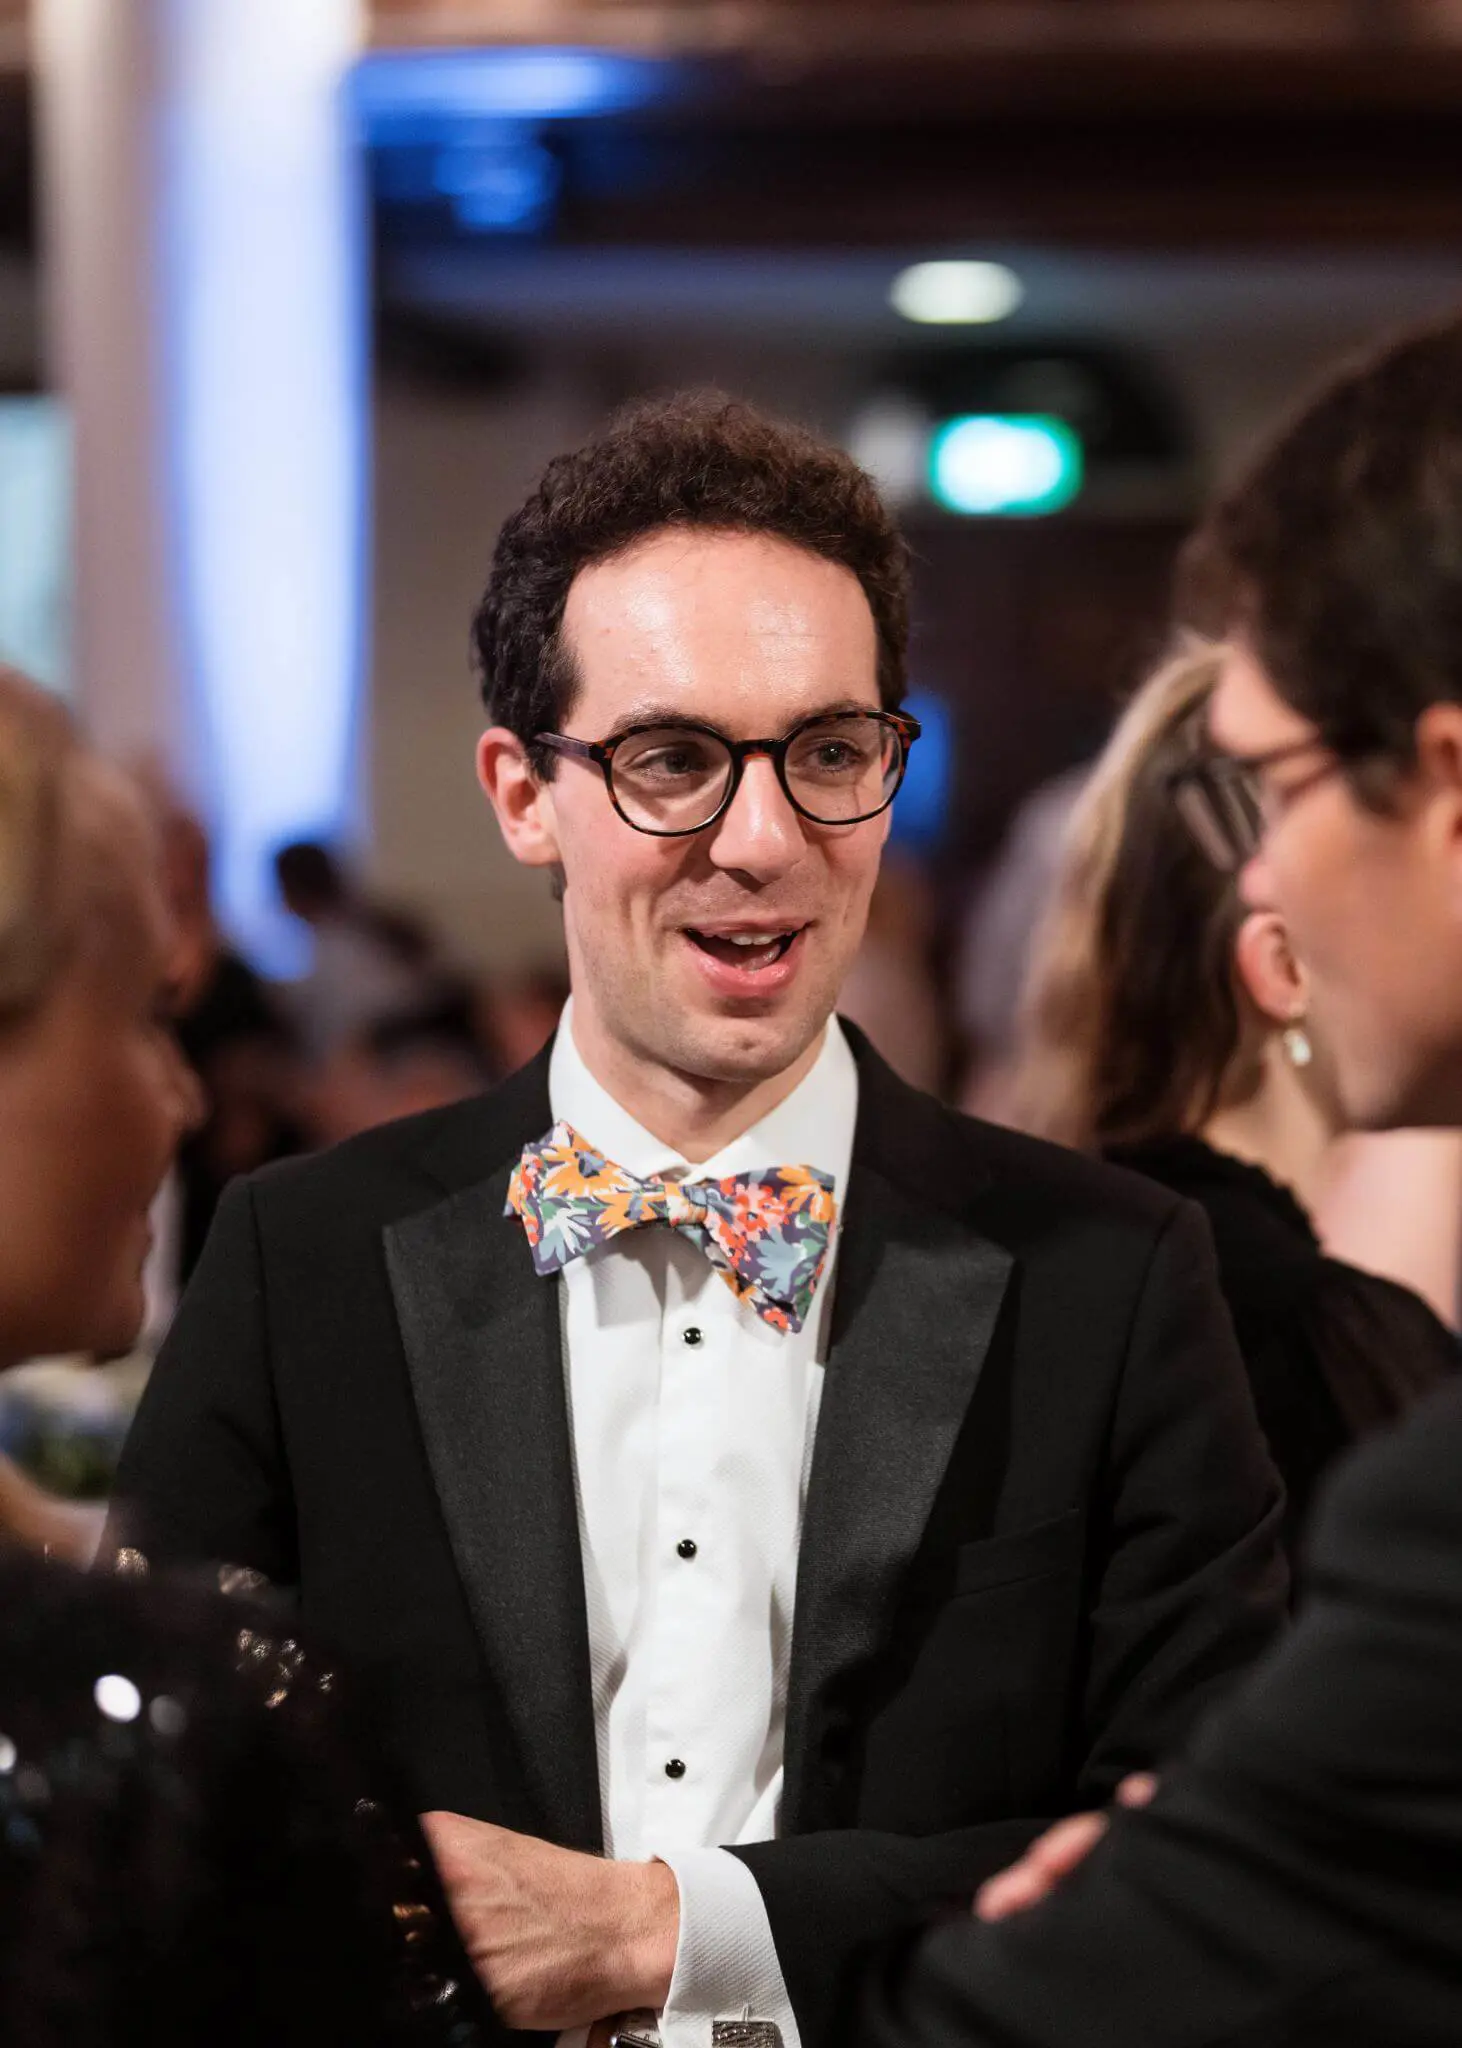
(1296, 1881)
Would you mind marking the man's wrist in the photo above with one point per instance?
(652, 1934)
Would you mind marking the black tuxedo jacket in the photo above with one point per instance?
(1299, 1882)
(1041, 1528)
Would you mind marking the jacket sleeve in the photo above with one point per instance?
(203, 1477)
(1296, 1880)
(1186, 1587)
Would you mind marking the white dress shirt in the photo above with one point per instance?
(692, 1424)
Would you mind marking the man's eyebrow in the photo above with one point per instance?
(651, 713)
(637, 716)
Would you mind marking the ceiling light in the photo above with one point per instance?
(956, 294)
(1019, 464)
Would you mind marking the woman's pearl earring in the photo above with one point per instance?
(1296, 1042)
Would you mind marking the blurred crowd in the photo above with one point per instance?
(382, 1023)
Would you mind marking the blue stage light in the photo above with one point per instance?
(1019, 464)
(424, 89)
(505, 182)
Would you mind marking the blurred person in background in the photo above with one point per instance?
(190, 1850)
(517, 1014)
(1295, 1880)
(1170, 1026)
(232, 1034)
(549, 1436)
(402, 1066)
(993, 949)
(1389, 1201)
(369, 963)
(890, 991)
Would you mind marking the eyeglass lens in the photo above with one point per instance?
(674, 778)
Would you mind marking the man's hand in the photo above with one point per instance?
(558, 1938)
(1054, 1855)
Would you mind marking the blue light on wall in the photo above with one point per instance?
(425, 89)
(921, 808)
(504, 182)
(469, 126)
(1013, 465)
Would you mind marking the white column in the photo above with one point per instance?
(97, 79)
(205, 251)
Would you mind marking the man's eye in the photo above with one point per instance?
(667, 764)
(830, 757)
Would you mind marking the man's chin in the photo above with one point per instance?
(748, 1050)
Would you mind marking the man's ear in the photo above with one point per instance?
(1267, 969)
(523, 803)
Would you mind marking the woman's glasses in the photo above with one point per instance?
(1229, 801)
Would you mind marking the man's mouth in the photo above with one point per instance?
(750, 950)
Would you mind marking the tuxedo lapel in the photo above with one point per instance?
(482, 1340)
(918, 1293)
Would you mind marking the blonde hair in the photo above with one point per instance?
(1130, 1019)
(38, 749)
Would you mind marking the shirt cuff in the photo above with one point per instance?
(726, 1964)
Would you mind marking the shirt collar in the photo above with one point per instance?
(812, 1127)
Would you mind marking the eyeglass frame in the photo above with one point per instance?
(1243, 772)
(903, 724)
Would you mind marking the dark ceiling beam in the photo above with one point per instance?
(1139, 123)
(1143, 31)
(1112, 179)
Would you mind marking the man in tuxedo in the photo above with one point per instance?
(1298, 1880)
(758, 1496)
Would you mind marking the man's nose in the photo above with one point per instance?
(760, 833)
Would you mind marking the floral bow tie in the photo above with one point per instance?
(767, 1234)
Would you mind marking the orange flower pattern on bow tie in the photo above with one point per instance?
(767, 1234)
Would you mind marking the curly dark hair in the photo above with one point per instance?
(698, 459)
(1338, 555)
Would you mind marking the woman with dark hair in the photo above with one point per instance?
(1169, 1025)
(191, 1851)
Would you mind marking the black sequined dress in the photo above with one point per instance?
(192, 1850)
